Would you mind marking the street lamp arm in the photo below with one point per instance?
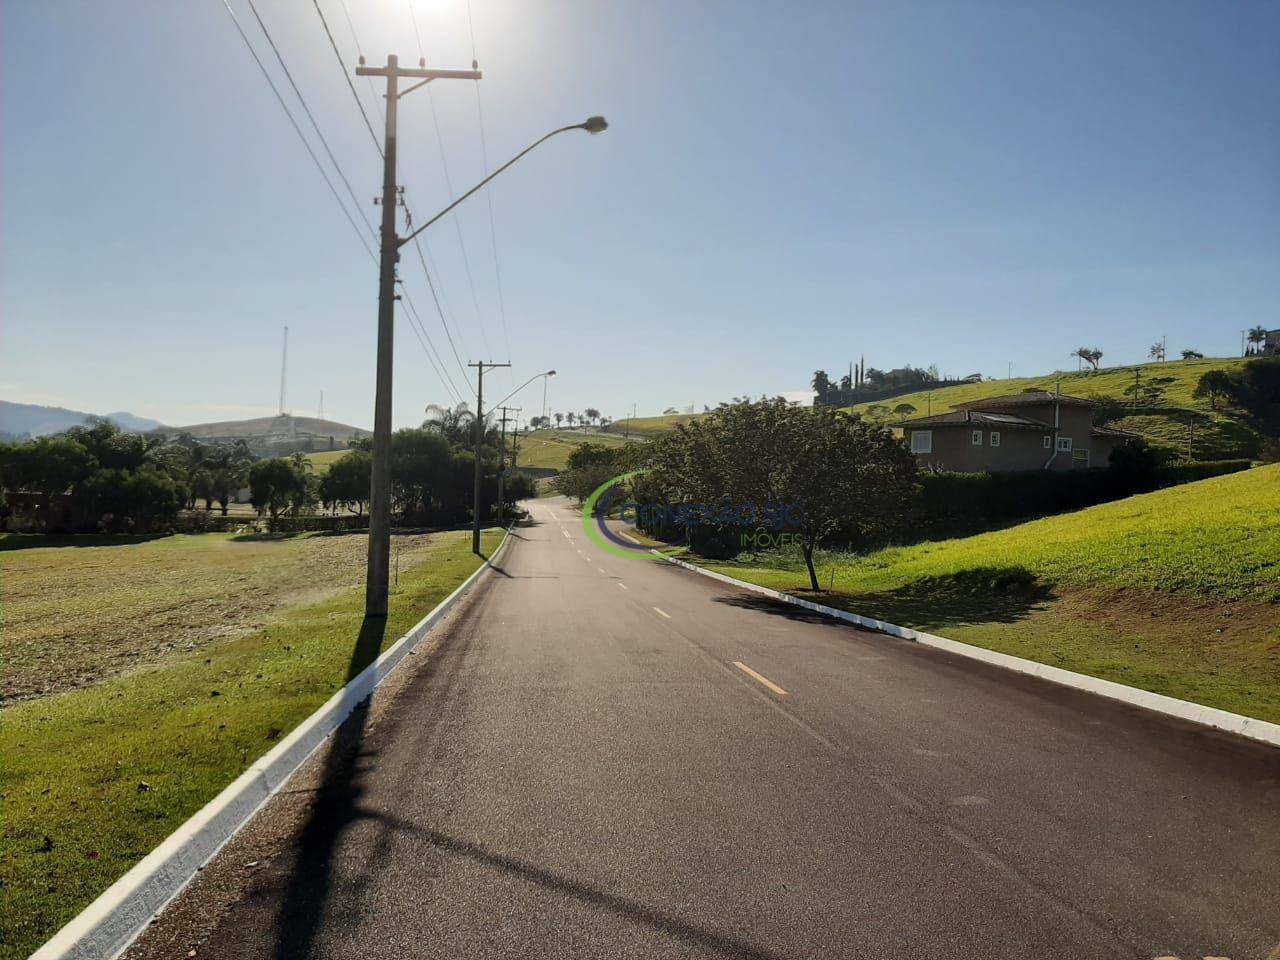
(588, 126)
(549, 373)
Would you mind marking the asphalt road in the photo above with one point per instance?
(611, 757)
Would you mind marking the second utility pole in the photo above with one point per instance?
(475, 500)
(378, 576)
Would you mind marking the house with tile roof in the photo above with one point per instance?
(1035, 430)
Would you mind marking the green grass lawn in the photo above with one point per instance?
(1176, 591)
(94, 778)
(78, 609)
(322, 460)
(550, 449)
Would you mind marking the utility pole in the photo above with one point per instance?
(284, 367)
(481, 367)
(377, 578)
(502, 449)
(1137, 387)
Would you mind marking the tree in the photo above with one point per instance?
(559, 418)
(1215, 385)
(878, 412)
(1257, 337)
(571, 417)
(52, 465)
(276, 486)
(1148, 392)
(904, 409)
(347, 482)
(1157, 351)
(420, 465)
(1192, 355)
(832, 472)
(821, 383)
(670, 411)
(591, 414)
(1090, 355)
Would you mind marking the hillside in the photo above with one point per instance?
(1171, 421)
(276, 436)
(34, 420)
(549, 449)
(1174, 591)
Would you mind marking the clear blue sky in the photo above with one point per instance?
(783, 187)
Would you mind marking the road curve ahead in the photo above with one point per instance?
(612, 757)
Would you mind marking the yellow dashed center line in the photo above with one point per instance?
(763, 681)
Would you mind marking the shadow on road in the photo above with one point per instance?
(689, 933)
(304, 901)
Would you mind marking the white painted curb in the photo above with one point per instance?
(106, 928)
(1183, 709)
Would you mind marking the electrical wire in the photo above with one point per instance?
(346, 75)
(298, 130)
(488, 194)
(310, 116)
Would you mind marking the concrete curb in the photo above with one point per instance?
(1183, 709)
(107, 927)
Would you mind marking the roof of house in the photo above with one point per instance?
(969, 418)
(1029, 398)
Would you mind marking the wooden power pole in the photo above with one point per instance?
(378, 576)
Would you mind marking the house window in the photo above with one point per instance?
(922, 441)
(1064, 444)
(1046, 441)
(977, 438)
(995, 438)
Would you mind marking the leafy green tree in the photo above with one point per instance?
(1215, 385)
(276, 486)
(1090, 355)
(53, 465)
(821, 383)
(904, 410)
(591, 414)
(1192, 355)
(347, 482)
(420, 467)
(836, 473)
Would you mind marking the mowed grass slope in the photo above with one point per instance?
(1176, 591)
(73, 615)
(550, 449)
(93, 779)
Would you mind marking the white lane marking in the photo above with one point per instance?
(566, 534)
(601, 569)
(622, 585)
(969, 800)
(663, 612)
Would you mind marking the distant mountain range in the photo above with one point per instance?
(33, 420)
(265, 435)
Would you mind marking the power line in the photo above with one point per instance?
(310, 116)
(448, 182)
(488, 194)
(298, 130)
(427, 347)
(452, 346)
(424, 340)
(346, 74)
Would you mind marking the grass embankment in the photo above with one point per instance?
(550, 449)
(1176, 591)
(76, 610)
(93, 779)
(1178, 417)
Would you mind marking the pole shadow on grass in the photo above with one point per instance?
(979, 595)
(307, 893)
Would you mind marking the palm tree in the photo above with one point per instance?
(1257, 337)
(571, 417)
(559, 418)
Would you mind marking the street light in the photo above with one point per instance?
(502, 450)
